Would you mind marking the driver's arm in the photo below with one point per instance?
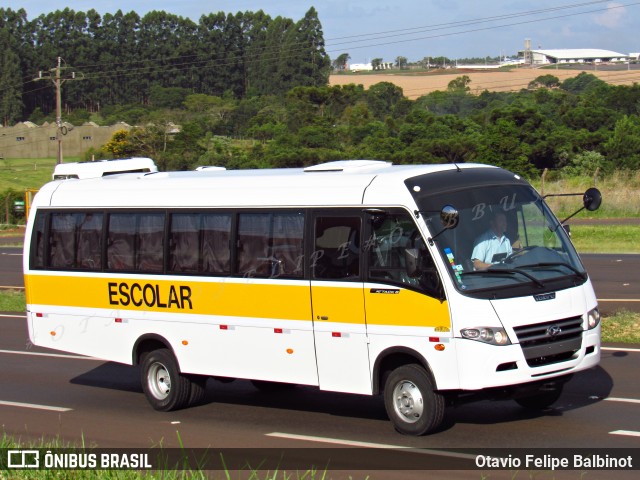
(480, 265)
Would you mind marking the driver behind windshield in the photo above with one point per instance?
(493, 245)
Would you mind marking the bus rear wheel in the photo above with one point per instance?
(412, 404)
(164, 386)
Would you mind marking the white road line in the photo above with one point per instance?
(35, 406)
(619, 299)
(7, 287)
(12, 316)
(616, 349)
(56, 355)
(354, 443)
(625, 400)
(629, 433)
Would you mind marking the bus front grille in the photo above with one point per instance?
(550, 342)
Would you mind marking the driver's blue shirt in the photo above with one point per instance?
(489, 244)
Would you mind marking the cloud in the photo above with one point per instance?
(612, 17)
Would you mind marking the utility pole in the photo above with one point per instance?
(55, 75)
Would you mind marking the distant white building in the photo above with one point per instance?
(367, 67)
(576, 55)
(360, 67)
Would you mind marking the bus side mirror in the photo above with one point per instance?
(592, 199)
(449, 217)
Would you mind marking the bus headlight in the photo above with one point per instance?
(593, 319)
(491, 335)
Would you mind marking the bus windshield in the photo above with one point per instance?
(507, 242)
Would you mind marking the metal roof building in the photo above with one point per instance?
(576, 55)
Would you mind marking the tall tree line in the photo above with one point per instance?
(121, 56)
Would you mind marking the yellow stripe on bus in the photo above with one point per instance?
(290, 302)
(252, 299)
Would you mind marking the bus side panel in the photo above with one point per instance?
(83, 331)
(340, 336)
(403, 320)
(247, 328)
(283, 353)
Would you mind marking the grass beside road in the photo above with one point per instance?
(622, 326)
(606, 238)
(12, 301)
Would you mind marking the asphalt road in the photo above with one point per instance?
(615, 277)
(101, 403)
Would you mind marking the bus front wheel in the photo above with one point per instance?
(165, 387)
(412, 404)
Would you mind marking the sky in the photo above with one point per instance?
(416, 29)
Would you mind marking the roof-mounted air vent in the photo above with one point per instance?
(348, 166)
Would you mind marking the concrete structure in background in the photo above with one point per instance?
(28, 140)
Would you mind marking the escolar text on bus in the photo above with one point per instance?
(150, 295)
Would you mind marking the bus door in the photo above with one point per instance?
(337, 302)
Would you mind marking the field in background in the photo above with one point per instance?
(415, 85)
(619, 195)
(22, 173)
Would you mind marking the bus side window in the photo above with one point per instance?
(63, 241)
(121, 246)
(200, 243)
(398, 255)
(270, 244)
(89, 241)
(37, 241)
(216, 243)
(336, 254)
(150, 242)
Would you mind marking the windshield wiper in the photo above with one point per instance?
(580, 274)
(508, 271)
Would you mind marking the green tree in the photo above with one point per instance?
(622, 149)
(459, 84)
(581, 83)
(383, 97)
(402, 62)
(10, 80)
(546, 81)
(340, 63)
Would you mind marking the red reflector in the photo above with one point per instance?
(336, 334)
(434, 339)
(277, 330)
(38, 315)
(118, 320)
(224, 327)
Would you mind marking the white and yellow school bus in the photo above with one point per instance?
(341, 276)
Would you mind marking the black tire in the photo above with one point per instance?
(165, 387)
(540, 400)
(269, 387)
(198, 386)
(412, 404)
